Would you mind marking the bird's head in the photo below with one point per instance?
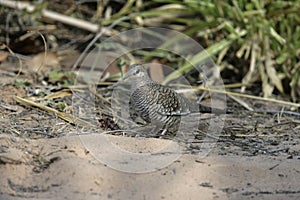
(138, 72)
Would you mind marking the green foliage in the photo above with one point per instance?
(61, 106)
(22, 83)
(60, 77)
(263, 33)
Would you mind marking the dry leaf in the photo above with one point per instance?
(3, 55)
(248, 77)
(268, 90)
(266, 87)
(275, 79)
(43, 62)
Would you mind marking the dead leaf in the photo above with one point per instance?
(248, 77)
(275, 79)
(43, 62)
(266, 87)
(270, 69)
(3, 55)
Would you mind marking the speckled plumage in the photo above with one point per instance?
(154, 103)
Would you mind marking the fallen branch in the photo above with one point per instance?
(20, 5)
(65, 116)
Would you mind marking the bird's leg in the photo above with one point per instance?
(157, 128)
(164, 131)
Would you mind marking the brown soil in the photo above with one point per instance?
(41, 157)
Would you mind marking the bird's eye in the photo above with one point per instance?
(137, 71)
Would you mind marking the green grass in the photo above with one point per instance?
(256, 40)
(265, 34)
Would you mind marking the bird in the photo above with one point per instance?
(156, 104)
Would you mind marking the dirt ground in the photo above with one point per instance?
(257, 156)
(66, 171)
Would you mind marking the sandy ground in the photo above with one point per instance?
(257, 157)
(63, 168)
